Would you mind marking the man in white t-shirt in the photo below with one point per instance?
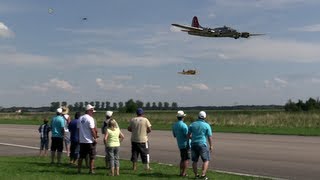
(87, 137)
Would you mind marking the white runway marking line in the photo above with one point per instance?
(226, 172)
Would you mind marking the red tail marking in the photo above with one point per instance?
(195, 22)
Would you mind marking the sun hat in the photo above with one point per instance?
(109, 113)
(65, 110)
(90, 107)
(59, 110)
(202, 115)
(181, 114)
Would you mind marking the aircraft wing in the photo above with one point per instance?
(187, 27)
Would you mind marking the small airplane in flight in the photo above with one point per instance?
(197, 30)
(188, 72)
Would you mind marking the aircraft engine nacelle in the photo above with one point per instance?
(245, 34)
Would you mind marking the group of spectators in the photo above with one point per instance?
(82, 133)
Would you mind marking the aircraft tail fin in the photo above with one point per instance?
(195, 22)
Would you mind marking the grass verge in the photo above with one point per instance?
(35, 168)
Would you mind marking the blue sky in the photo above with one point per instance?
(128, 49)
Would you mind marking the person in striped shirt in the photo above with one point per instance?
(44, 130)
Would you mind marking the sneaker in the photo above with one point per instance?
(204, 177)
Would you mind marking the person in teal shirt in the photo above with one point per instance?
(57, 134)
(180, 132)
(199, 132)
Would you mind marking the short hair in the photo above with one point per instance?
(77, 115)
(112, 123)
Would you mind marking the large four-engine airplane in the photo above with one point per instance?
(197, 30)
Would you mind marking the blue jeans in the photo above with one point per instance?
(113, 155)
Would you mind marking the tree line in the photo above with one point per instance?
(128, 106)
(309, 105)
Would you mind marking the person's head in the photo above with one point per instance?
(109, 114)
(180, 115)
(65, 110)
(45, 121)
(90, 109)
(77, 115)
(202, 115)
(59, 111)
(112, 124)
(139, 112)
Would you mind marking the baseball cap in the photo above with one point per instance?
(109, 113)
(139, 111)
(59, 110)
(90, 107)
(181, 114)
(202, 115)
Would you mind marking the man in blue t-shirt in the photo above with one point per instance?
(74, 138)
(57, 130)
(180, 132)
(199, 132)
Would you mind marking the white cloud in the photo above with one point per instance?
(9, 56)
(310, 28)
(315, 80)
(200, 86)
(227, 88)
(184, 88)
(280, 81)
(266, 4)
(5, 32)
(112, 84)
(54, 83)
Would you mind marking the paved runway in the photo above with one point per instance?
(288, 157)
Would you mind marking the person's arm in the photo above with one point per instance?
(210, 143)
(121, 136)
(94, 134)
(105, 137)
(148, 126)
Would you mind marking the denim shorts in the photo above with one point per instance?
(200, 150)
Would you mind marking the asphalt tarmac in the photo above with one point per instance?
(287, 157)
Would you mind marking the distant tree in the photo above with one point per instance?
(102, 107)
(108, 105)
(54, 106)
(154, 106)
(174, 106)
(160, 106)
(64, 103)
(139, 104)
(86, 103)
(311, 104)
(76, 106)
(114, 107)
(81, 106)
(148, 106)
(301, 105)
(97, 105)
(291, 106)
(131, 106)
(166, 105)
(71, 108)
(120, 105)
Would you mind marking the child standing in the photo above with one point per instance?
(112, 138)
(44, 130)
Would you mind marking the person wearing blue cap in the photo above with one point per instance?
(140, 127)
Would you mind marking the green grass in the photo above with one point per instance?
(34, 168)
(241, 121)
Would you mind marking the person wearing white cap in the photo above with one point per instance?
(57, 134)
(199, 132)
(87, 138)
(104, 129)
(180, 132)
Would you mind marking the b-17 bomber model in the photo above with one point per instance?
(197, 30)
(188, 72)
